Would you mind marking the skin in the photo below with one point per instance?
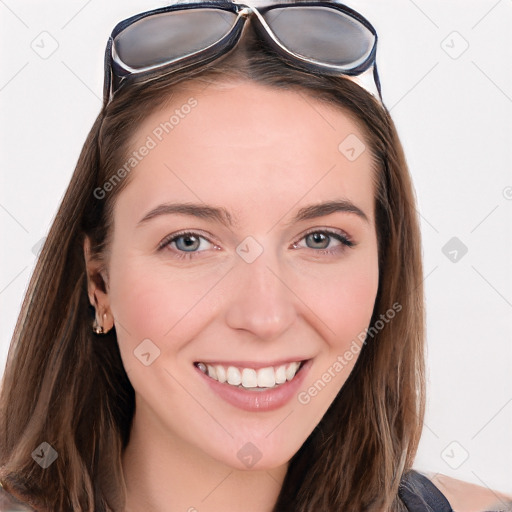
(262, 160)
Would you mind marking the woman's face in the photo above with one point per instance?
(262, 282)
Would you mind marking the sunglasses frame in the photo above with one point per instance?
(117, 73)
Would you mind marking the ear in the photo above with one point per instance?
(97, 287)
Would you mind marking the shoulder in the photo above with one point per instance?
(467, 497)
(8, 503)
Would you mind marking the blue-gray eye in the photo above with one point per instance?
(319, 238)
(190, 242)
(323, 238)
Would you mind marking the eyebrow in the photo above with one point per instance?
(222, 215)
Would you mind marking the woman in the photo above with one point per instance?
(184, 343)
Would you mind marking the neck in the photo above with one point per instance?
(163, 473)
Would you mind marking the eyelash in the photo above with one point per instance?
(346, 242)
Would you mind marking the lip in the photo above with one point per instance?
(258, 401)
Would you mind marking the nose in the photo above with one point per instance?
(261, 301)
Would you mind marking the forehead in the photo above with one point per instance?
(249, 147)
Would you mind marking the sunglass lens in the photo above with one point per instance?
(322, 34)
(166, 37)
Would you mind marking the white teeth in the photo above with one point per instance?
(221, 373)
(233, 375)
(251, 378)
(266, 377)
(291, 370)
(211, 372)
(281, 374)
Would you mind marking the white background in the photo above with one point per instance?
(453, 111)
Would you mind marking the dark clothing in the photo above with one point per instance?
(419, 494)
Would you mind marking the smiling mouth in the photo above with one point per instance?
(251, 379)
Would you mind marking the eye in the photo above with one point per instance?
(185, 244)
(320, 240)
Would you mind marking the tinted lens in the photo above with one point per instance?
(163, 38)
(322, 34)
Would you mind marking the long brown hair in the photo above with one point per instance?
(64, 386)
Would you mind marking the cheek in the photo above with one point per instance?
(150, 302)
(343, 300)
(353, 305)
(344, 306)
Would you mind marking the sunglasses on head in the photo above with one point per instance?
(321, 36)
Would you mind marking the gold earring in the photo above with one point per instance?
(96, 328)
